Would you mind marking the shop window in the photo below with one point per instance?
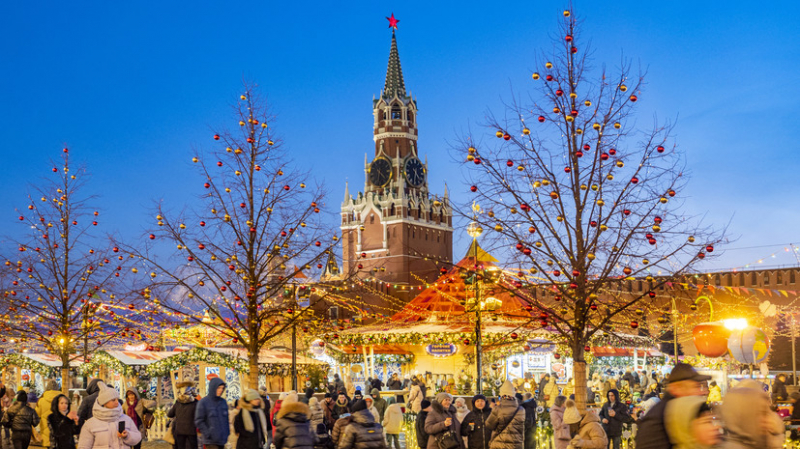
(779, 277)
(753, 278)
(333, 313)
(766, 278)
(792, 278)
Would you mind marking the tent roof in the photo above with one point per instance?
(131, 358)
(268, 356)
(49, 359)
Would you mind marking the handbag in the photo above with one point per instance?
(169, 437)
(447, 440)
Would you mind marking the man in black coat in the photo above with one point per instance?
(613, 415)
(422, 436)
(682, 381)
(779, 393)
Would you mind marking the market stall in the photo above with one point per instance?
(33, 369)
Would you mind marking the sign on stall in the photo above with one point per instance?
(441, 349)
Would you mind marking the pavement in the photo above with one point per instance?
(157, 444)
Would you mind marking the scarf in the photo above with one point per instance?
(131, 410)
(106, 414)
(247, 420)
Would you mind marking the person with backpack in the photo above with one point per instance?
(507, 421)
(529, 405)
(473, 427)
(21, 419)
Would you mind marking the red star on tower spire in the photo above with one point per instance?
(392, 22)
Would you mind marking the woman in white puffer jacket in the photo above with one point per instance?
(102, 430)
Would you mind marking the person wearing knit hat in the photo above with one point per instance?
(250, 424)
(473, 427)
(507, 421)
(585, 428)
(102, 429)
(419, 425)
(440, 421)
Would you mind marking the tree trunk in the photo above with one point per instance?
(65, 380)
(579, 375)
(252, 378)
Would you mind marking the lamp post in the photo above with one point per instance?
(475, 230)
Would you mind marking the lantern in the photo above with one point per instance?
(711, 339)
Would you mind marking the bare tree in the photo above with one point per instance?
(581, 199)
(66, 292)
(245, 259)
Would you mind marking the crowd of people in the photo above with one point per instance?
(685, 412)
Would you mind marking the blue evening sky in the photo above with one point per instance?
(134, 87)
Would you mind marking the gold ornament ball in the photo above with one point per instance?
(526, 131)
(587, 103)
(243, 97)
(617, 125)
(596, 126)
(623, 87)
(566, 13)
(549, 65)
(691, 239)
(535, 76)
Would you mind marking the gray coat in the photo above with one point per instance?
(362, 433)
(507, 423)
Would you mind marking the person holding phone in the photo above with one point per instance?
(108, 428)
(441, 424)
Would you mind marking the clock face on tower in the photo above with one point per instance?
(415, 172)
(380, 172)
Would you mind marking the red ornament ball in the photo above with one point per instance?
(514, 335)
(473, 188)
(510, 163)
(216, 136)
(612, 151)
(710, 248)
(541, 119)
(568, 38)
(634, 98)
(506, 136)
(660, 149)
(556, 355)
(634, 180)
(634, 324)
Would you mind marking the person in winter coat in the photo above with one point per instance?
(419, 425)
(87, 404)
(338, 385)
(629, 377)
(317, 415)
(530, 406)
(341, 406)
(379, 403)
(613, 415)
(327, 409)
(62, 424)
(376, 383)
(101, 431)
(338, 428)
(308, 394)
(393, 425)
(211, 416)
(714, 392)
(415, 398)
(321, 438)
(276, 409)
(21, 419)
(683, 381)
(507, 421)
(43, 409)
(561, 435)
(291, 427)
(250, 424)
(139, 410)
(362, 432)
(396, 384)
(461, 409)
(568, 390)
(372, 409)
(779, 393)
(441, 419)
(586, 431)
(183, 410)
(550, 391)
(473, 427)
(690, 424)
(749, 421)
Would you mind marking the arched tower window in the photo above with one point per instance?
(372, 219)
(397, 113)
(391, 210)
(410, 116)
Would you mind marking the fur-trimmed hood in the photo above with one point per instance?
(296, 410)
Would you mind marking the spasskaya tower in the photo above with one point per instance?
(396, 233)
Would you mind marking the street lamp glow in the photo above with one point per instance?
(735, 323)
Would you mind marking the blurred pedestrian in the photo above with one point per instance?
(415, 397)
(530, 406)
(461, 409)
(749, 420)
(379, 403)
(44, 408)
(211, 416)
(322, 440)
(393, 425)
(317, 415)
(683, 381)
(584, 427)
(561, 435)
(419, 425)
(87, 404)
(182, 412)
(291, 426)
(250, 424)
(779, 393)
(690, 424)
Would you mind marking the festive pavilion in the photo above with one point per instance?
(32, 369)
